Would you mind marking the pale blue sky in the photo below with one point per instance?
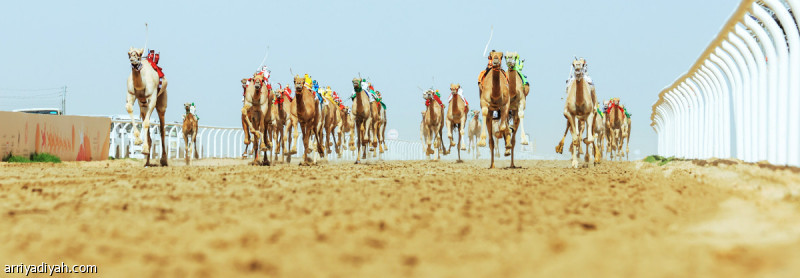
(634, 49)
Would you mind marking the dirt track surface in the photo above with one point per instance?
(424, 219)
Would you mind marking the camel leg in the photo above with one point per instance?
(129, 107)
(162, 109)
(358, 135)
(305, 129)
(514, 141)
(151, 106)
(187, 149)
(246, 135)
(521, 115)
(560, 147)
(460, 132)
(491, 143)
(148, 141)
(572, 123)
(504, 129)
(484, 126)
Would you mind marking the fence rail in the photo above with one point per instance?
(224, 142)
(740, 99)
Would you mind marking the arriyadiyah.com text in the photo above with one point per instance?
(49, 269)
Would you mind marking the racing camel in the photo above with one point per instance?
(189, 129)
(149, 87)
(457, 109)
(309, 115)
(362, 112)
(254, 110)
(599, 131)
(473, 132)
(378, 125)
(288, 116)
(493, 84)
(518, 89)
(615, 119)
(579, 108)
(433, 121)
(345, 127)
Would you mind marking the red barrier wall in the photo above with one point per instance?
(72, 138)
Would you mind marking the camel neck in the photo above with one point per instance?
(579, 92)
(299, 100)
(138, 85)
(495, 84)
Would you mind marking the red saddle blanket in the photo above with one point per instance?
(428, 101)
(156, 67)
(612, 106)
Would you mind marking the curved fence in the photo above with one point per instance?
(224, 142)
(740, 99)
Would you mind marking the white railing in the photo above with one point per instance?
(211, 141)
(226, 142)
(740, 99)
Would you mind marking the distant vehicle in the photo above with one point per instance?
(45, 111)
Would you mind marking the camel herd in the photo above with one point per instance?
(272, 115)
(503, 95)
(273, 120)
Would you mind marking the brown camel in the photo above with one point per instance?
(494, 95)
(345, 128)
(363, 118)
(189, 129)
(309, 115)
(244, 123)
(433, 120)
(273, 123)
(255, 110)
(579, 108)
(288, 116)
(378, 127)
(627, 135)
(599, 131)
(456, 118)
(144, 86)
(517, 84)
(330, 111)
(614, 121)
(474, 131)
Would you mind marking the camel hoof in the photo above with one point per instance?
(508, 152)
(138, 141)
(459, 161)
(464, 149)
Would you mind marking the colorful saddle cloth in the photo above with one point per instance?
(437, 97)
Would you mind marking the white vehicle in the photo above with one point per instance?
(45, 111)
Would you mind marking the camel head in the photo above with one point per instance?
(258, 80)
(428, 94)
(476, 114)
(135, 56)
(511, 59)
(496, 59)
(578, 66)
(357, 84)
(298, 83)
(244, 83)
(454, 88)
(187, 106)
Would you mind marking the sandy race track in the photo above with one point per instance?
(222, 218)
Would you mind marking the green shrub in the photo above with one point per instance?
(45, 157)
(35, 157)
(16, 159)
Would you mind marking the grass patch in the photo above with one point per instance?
(35, 157)
(45, 157)
(660, 160)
